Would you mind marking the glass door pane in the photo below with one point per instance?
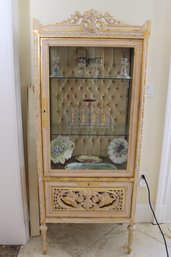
(90, 92)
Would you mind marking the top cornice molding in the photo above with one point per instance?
(91, 23)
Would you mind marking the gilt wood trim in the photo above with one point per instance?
(141, 113)
(39, 125)
(89, 220)
(91, 23)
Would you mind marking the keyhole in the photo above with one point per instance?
(44, 111)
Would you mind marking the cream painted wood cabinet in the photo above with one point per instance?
(89, 80)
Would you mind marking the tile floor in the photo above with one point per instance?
(99, 240)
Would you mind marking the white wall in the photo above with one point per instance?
(13, 205)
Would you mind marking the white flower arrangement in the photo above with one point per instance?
(61, 149)
(118, 150)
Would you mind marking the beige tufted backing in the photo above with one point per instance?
(68, 93)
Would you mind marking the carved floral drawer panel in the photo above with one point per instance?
(63, 200)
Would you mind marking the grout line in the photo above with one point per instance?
(153, 237)
(95, 241)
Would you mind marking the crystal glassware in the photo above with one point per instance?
(92, 66)
(81, 65)
(124, 69)
(99, 66)
(55, 71)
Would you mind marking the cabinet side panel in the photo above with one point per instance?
(39, 124)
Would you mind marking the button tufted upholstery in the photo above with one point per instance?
(69, 93)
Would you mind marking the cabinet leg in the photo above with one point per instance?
(131, 229)
(43, 229)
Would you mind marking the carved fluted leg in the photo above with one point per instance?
(43, 229)
(131, 229)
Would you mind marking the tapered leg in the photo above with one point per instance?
(131, 229)
(43, 229)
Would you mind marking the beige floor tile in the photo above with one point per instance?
(153, 231)
(113, 245)
(105, 240)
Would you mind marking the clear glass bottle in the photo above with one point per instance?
(91, 67)
(55, 71)
(124, 69)
(99, 66)
(81, 61)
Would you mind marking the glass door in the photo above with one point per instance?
(90, 97)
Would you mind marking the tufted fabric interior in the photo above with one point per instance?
(71, 92)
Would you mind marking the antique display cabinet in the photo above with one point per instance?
(89, 81)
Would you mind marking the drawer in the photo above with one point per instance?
(88, 199)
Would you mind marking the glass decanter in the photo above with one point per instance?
(124, 69)
(99, 66)
(55, 66)
(81, 61)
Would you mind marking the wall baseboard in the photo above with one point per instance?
(143, 213)
(160, 213)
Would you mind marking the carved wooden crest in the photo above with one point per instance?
(92, 20)
(90, 23)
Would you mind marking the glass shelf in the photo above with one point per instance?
(90, 134)
(99, 78)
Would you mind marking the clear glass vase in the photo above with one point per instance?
(55, 70)
(124, 68)
(99, 67)
(81, 61)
